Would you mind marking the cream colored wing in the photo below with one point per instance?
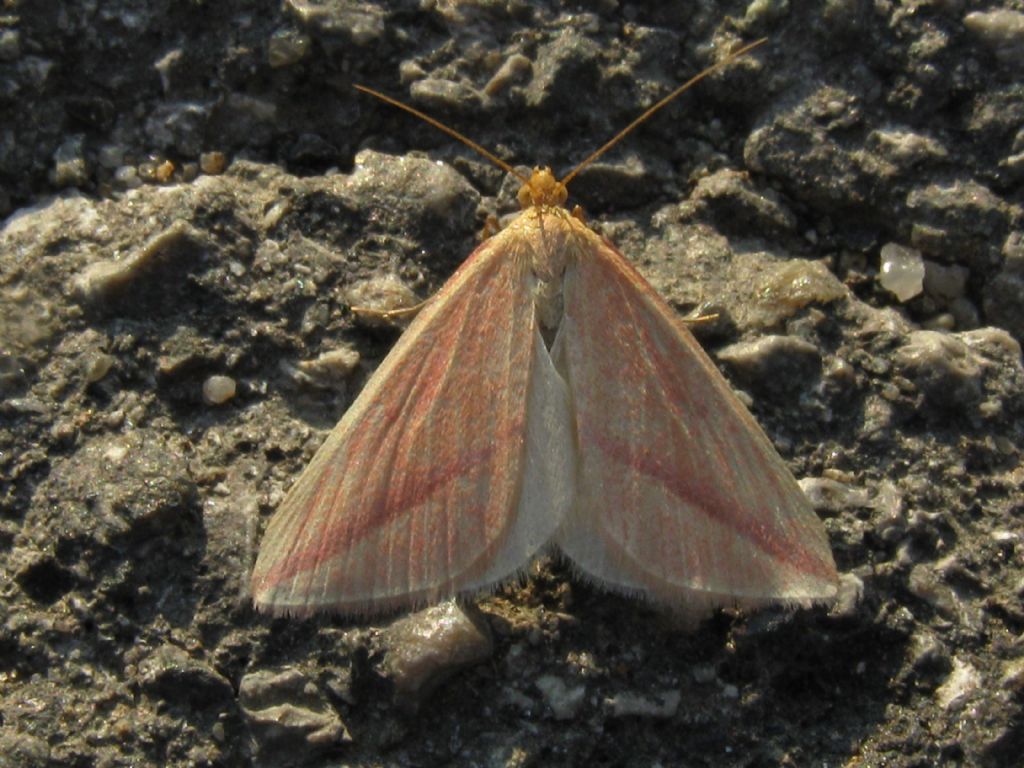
(680, 495)
(448, 473)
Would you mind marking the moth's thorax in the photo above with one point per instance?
(548, 239)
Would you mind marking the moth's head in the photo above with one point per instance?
(542, 189)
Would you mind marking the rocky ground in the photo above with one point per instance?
(194, 197)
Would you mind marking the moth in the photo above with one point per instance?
(546, 398)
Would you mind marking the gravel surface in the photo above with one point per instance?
(194, 196)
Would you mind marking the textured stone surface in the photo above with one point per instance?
(193, 190)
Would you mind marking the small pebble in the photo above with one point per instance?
(901, 271)
(425, 648)
(147, 170)
(794, 285)
(372, 299)
(330, 367)
(275, 213)
(212, 163)
(164, 171)
(217, 390)
(286, 47)
(515, 68)
(830, 495)
(127, 176)
(97, 365)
